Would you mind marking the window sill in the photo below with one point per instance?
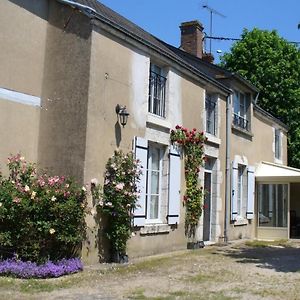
(213, 139)
(155, 229)
(240, 222)
(242, 131)
(158, 121)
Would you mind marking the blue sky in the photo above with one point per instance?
(163, 17)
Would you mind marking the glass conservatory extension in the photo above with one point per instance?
(277, 188)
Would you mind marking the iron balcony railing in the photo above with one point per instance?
(157, 94)
(240, 121)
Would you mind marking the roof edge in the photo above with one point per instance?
(92, 13)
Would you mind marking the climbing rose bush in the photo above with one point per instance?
(191, 142)
(42, 217)
(119, 198)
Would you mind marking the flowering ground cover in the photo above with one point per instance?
(20, 269)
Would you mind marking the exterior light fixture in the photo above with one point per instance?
(122, 114)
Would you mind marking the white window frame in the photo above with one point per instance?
(149, 178)
(157, 103)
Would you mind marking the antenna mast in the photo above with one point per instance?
(212, 11)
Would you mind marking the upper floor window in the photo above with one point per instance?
(157, 91)
(277, 138)
(241, 104)
(211, 116)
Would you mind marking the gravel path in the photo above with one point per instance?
(229, 272)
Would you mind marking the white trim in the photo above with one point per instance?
(19, 97)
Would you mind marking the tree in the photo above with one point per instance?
(272, 64)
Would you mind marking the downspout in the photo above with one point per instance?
(227, 166)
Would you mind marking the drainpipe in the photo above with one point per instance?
(227, 166)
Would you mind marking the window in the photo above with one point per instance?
(243, 184)
(154, 175)
(157, 91)
(159, 184)
(241, 103)
(277, 138)
(241, 191)
(272, 203)
(210, 110)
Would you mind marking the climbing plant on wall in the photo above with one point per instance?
(191, 142)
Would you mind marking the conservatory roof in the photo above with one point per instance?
(271, 172)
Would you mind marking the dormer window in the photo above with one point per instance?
(157, 91)
(241, 104)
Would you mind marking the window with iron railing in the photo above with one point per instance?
(210, 110)
(241, 106)
(240, 122)
(157, 92)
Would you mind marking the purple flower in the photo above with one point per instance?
(29, 269)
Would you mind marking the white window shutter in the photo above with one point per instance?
(234, 190)
(141, 153)
(174, 186)
(251, 188)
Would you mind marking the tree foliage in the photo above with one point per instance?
(272, 64)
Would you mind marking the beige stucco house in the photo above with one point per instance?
(66, 65)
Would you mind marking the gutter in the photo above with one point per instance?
(89, 11)
(93, 14)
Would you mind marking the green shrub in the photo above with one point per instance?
(41, 217)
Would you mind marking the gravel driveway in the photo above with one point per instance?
(234, 271)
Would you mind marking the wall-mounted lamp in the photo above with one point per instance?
(122, 114)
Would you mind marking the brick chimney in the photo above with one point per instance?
(192, 38)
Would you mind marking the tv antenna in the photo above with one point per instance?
(212, 11)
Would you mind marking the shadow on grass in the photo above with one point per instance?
(285, 259)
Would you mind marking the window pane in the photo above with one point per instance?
(155, 153)
(210, 108)
(236, 103)
(272, 199)
(277, 144)
(154, 207)
(157, 85)
(242, 106)
(155, 183)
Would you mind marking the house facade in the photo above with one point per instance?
(66, 65)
